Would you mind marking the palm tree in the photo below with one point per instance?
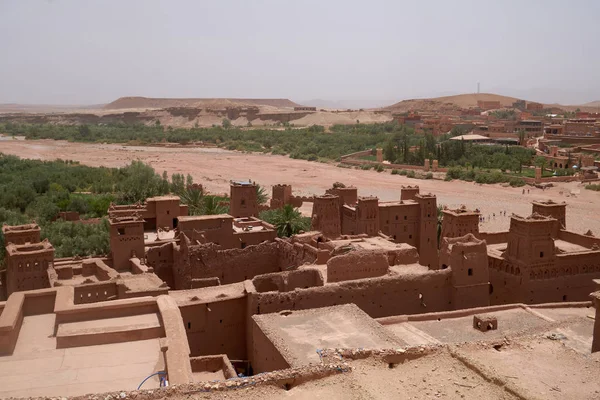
(288, 221)
(211, 205)
(193, 196)
(261, 195)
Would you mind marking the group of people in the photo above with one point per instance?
(483, 218)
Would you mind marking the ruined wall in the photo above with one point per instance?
(160, 258)
(288, 281)
(244, 239)
(378, 297)
(294, 254)
(357, 265)
(232, 265)
(217, 327)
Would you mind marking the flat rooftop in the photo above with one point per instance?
(298, 335)
(573, 325)
(38, 368)
(370, 243)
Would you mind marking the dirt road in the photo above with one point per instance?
(215, 167)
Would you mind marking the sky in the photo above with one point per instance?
(366, 52)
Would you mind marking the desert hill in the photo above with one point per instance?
(448, 103)
(149, 102)
(592, 104)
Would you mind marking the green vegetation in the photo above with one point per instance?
(595, 187)
(198, 202)
(287, 220)
(310, 143)
(505, 114)
(483, 176)
(33, 190)
(400, 145)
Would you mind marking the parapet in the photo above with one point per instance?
(409, 192)
(463, 210)
(242, 183)
(7, 229)
(28, 248)
(20, 234)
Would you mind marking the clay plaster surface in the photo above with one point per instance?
(301, 333)
(38, 368)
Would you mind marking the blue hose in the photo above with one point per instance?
(148, 377)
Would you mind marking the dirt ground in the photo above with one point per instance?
(214, 168)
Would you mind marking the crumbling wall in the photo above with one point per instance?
(160, 258)
(378, 297)
(232, 265)
(288, 281)
(294, 254)
(357, 265)
(216, 327)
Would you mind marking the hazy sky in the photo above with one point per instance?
(90, 52)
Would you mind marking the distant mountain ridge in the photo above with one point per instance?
(149, 102)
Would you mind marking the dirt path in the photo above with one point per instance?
(215, 167)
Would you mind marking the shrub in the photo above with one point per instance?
(516, 182)
(365, 166)
(594, 187)
(403, 172)
(411, 174)
(379, 168)
(395, 172)
(429, 175)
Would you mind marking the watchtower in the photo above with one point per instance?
(427, 244)
(367, 215)
(326, 215)
(27, 265)
(244, 199)
(126, 240)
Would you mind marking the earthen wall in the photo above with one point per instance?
(216, 327)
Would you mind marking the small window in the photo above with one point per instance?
(243, 202)
(121, 231)
(168, 212)
(410, 236)
(243, 245)
(189, 325)
(405, 217)
(396, 218)
(470, 271)
(541, 254)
